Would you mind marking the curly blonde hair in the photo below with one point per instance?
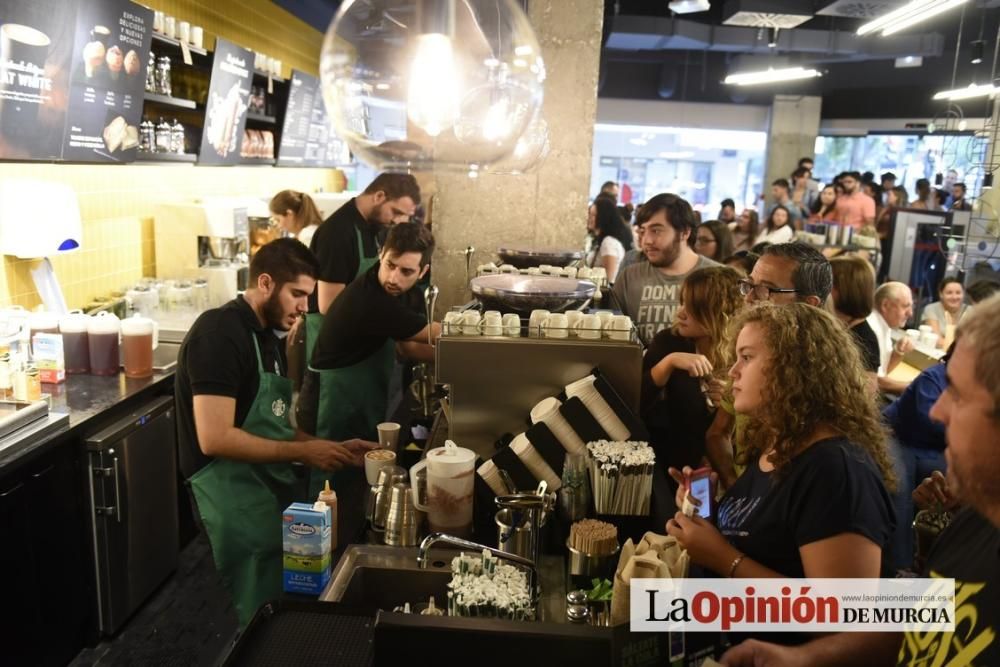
(815, 378)
(712, 297)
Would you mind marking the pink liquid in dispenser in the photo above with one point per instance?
(104, 355)
(76, 351)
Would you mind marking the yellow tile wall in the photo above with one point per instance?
(118, 203)
(118, 206)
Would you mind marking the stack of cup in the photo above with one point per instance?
(547, 412)
(609, 420)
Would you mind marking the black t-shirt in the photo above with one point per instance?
(867, 342)
(217, 358)
(969, 551)
(677, 414)
(832, 487)
(335, 244)
(357, 325)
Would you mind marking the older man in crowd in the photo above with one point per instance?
(893, 309)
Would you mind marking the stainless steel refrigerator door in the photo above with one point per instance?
(134, 477)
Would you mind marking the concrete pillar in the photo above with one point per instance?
(792, 128)
(548, 206)
(987, 210)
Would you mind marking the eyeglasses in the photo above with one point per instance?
(763, 292)
(703, 240)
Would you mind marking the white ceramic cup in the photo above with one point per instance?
(508, 268)
(928, 338)
(535, 321)
(184, 31)
(534, 271)
(452, 324)
(375, 460)
(926, 328)
(589, 327)
(913, 334)
(470, 322)
(572, 317)
(618, 327)
(556, 325)
(583, 273)
(492, 323)
(512, 325)
(605, 316)
(198, 36)
(158, 21)
(170, 27)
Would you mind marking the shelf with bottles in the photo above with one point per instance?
(170, 100)
(161, 41)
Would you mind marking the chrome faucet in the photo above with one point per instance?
(475, 547)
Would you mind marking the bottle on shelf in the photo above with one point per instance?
(151, 73)
(177, 138)
(163, 85)
(164, 136)
(147, 136)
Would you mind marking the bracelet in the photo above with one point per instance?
(736, 563)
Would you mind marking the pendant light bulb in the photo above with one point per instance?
(433, 99)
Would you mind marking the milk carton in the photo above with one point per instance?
(47, 350)
(306, 545)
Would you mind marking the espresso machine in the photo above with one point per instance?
(209, 240)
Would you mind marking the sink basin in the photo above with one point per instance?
(385, 588)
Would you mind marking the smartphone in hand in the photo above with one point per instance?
(701, 486)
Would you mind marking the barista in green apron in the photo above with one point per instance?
(347, 386)
(236, 442)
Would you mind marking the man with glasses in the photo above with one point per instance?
(649, 292)
(787, 273)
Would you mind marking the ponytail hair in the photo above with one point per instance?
(298, 203)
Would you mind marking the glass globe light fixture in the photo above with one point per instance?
(531, 150)
(431, 84)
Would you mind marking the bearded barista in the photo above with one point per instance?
(346, 244)
(346, 390)
(235, 439)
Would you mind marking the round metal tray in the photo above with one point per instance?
(525, 258)
(511, 293)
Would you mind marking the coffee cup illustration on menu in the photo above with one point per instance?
(96, 51)
(23, 52)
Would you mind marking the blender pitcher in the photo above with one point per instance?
(448, 488)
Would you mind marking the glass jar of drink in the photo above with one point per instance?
(76, 351)
(139, 339)
(103, 331)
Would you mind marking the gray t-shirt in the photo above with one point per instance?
(649, 297)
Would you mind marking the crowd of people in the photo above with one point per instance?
(778, 368)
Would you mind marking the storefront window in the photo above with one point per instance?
(703, 166)
(911, 157)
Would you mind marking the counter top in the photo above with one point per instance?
(84, 398)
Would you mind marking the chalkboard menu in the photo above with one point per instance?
(107, 80)
(226, 109)
(307, 138)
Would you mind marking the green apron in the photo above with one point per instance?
(352, 401)
(241, 503)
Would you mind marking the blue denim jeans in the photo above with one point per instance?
(912, 465)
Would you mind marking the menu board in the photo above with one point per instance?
(36, 43)
(228, 99)
(107, 81)
(307, 138)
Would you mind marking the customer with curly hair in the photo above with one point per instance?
(813, 500)
(686, 364)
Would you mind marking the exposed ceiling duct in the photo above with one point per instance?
(645, 33)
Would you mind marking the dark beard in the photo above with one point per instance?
(670, 256)
(272, 311)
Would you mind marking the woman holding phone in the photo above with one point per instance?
(813, 500)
